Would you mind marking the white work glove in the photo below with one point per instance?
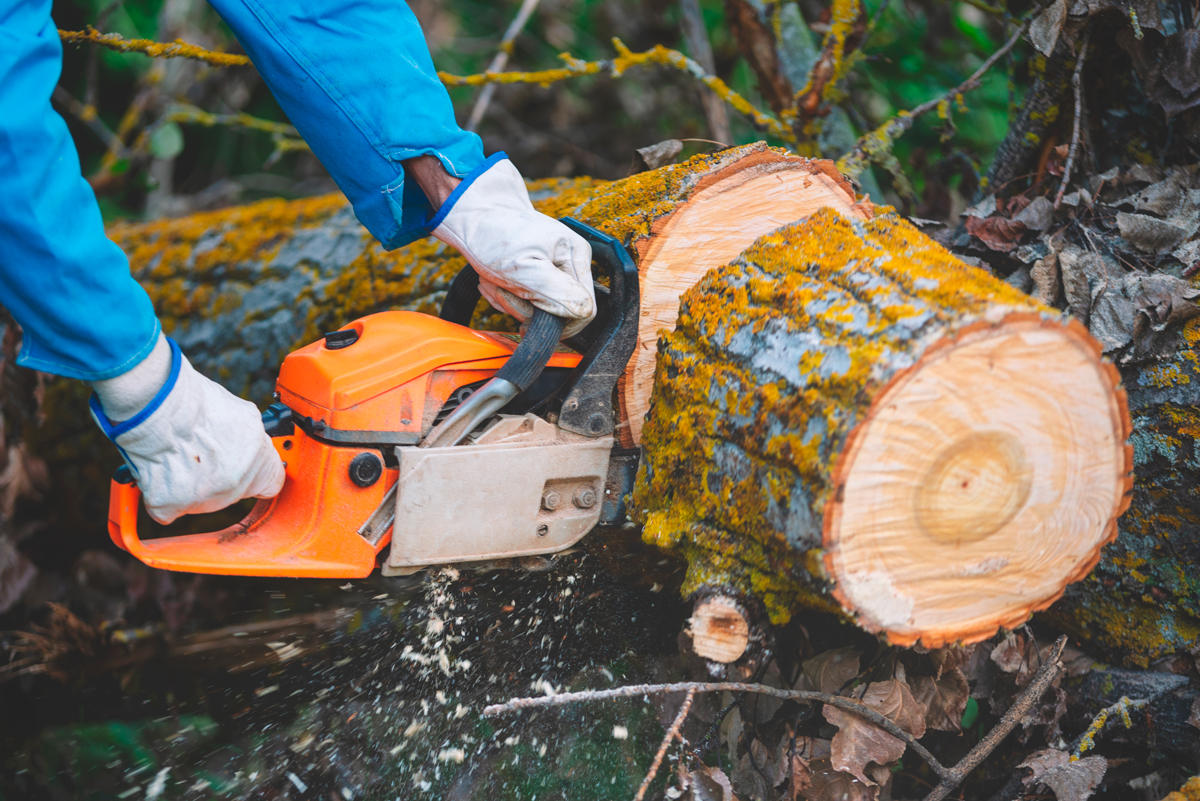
(192, 445)
(524, 258)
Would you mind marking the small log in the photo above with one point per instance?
(849, 417)
(720, 629)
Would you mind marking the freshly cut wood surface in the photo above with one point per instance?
(726, 211)
(983, 481)
(849, 418)
(720, 631)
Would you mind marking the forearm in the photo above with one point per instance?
(357, 81)
(68, 286)
(431, 176)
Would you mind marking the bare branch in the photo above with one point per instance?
(1077, 83)
(841, 702)
(500, 61)
(672, 733)
(876, 144)
(695, 35)
(1018, 712)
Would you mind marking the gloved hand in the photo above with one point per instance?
(192, 445)
(524, 258)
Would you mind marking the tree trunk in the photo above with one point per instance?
(849, 417)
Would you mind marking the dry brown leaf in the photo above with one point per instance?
(706, 784)
(1010, 654)
(1044, 30)
(16, 574)
(858, 741)
(1194, 717)
(660, 154)
(832, 670)
(826, 783)
(945, 697)
(799, 778)
(998, 233)
(950, 657)
(1070, 781)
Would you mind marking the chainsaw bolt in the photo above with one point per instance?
(543, 530)
(365, 469)
(585, 498)
(551, 500)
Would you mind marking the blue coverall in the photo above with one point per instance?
(353, 76)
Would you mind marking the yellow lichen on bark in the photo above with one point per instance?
(775, 359)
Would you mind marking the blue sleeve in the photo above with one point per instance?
(356, 79)
(61, 278)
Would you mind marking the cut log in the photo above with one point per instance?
(768, 479)
(847, 416)
(240, 288)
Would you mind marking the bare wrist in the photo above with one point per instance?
(431, 176)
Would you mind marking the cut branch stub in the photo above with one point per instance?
(850, 418)
(720, 630)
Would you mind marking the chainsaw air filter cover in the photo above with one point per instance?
(386, 385)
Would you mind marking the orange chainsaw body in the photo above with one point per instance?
(382, 390)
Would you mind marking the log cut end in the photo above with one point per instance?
(982, 482)
(720, 631)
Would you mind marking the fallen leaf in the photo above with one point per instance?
(1194, 717)
(706, 784)
(859, 741)
(1009, 654)
(950, 657)
(830, 671)
(16, 574)
(660, 154)
(753, 773)
(983, 209)
(1037, 216)
(945, 697)
(1150, 234)
(1070, 781)
(1044, 30)
(1072, 266)
(799, 777)
(1047, 287)
(998, 233)
(829, 784)
(1188, 255)
(1164, 299)
(1169, 66)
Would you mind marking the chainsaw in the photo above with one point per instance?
(445, 443)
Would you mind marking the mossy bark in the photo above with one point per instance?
(1143, 600)
(778, 359)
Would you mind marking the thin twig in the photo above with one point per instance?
(871, 144)
(695, 35)
(500, 61)
(574, 67)
(1121, 708)
(1018, 712)
(1077, 83)
(615, 68)
(841, 702)
(672, 733)
(176, 49)
(87, 115)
